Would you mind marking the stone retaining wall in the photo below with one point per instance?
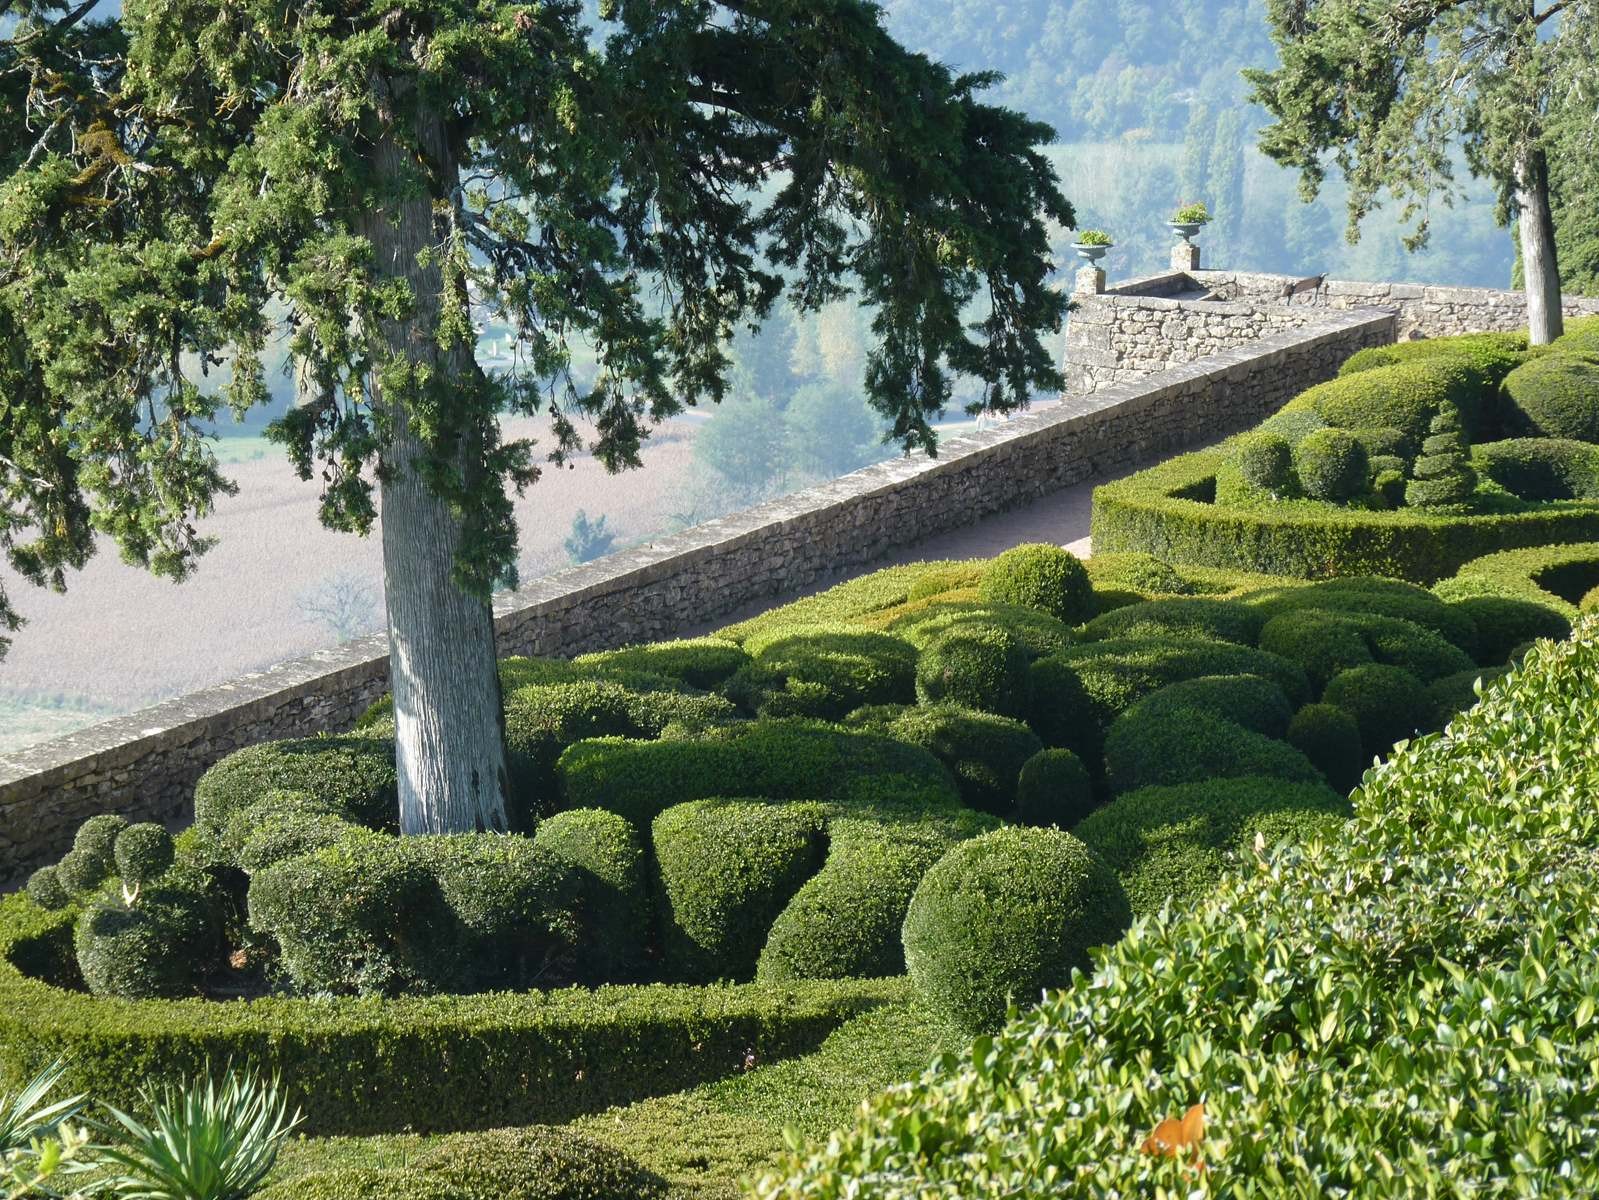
(1145, 325)
(144, 765)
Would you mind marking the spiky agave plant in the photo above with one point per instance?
(39, 1145)
(30, 1114)
(205, 1141)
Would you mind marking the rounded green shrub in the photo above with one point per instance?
(1402, 396)
(1494, 355)
(613, 905)
(984, 751)
(1115, 674)
(956, 577)
(778, 760)
(1368, 595)
(1292, 425)
(1137, 575)
(355, 775)
(1331, 465)
(974, 666)
(527, 1163)
(703, 663)
(1387, 446)
(95, 846)
(1265, 460)
(142, 852)
(1002, 917)
(1325, 643)
(379, 915)
(1252, 701)
(1172, 845)
(1541, 468)
(1189, 746)
(727, 869)
(1190, 616)
(1330, 738)
(823, 672)
(79, 873)
(45, 889)
(538, 1163)
(1506, 622)
(1038, 632)
(159, 944)
(845, 921)
(1388, 703)
(1054, 788)
(280, 826)
(1554, 396)
(1590, 600)
(1044, 577)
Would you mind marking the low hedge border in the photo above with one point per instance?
(438, 1063)
(1163, 511)
(1538, 574)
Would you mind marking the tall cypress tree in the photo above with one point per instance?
(194, 179)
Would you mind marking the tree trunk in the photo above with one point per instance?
(1539, 266)
(449, 725)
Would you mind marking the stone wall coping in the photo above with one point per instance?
(180, 720)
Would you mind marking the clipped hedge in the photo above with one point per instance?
(1388, 703)
(1555, 395)
(1441, 992)
(1404, 396)
(1330, 738)
(1225, 620)
(1368, 595)
(1054, 788)
(1252, 701)
(1495, 355)
(1166, 510)
(1041, 576)
(981, 667)
(1038, 632)
(607, 860)
(363, 1065)
(822, 672)
(352, 775)
(1552, 577)
(701, 663)
(1541, 469)
(1325, 643)
(985, 752)
(1174, 844)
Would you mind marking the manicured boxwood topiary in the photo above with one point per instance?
(1172, 845)
(1252, 701)
(702, 663)
(845, 921)
(1127, 578)
(1389, 704)
(279, 826)
(1454, 694)
(1495, 355)
(1044, 577)
(1331, 465)
(378, 915)
(1002, 917)
(1171, 508)
(1038, 632)
(1226, 620)
(823, 672)
(1265, 460)
(1404, 396)
(958, 577)
(1190, 746)
(1508, 623)
(1442, 474)
(94, 850)
(353, 774)
(1580, 337)
(779, 760)
(1054, 788)
(1555, 576)
(1330, 738)
(1365, 594)
(45, 889)
(608, 862)
(1325, 643)
(158, 944)
(1541, 468)
(975, 666)
(727, 869)
(142, 852)
(1115, 674)
(1554, 396)
(984, 751)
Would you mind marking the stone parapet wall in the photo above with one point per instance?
(1424, 310)
(1145, 326)
(144, 765)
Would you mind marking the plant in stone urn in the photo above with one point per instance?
(1092, 245)
(1187, 220)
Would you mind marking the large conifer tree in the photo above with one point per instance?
(1390, 90)
(195, 178)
